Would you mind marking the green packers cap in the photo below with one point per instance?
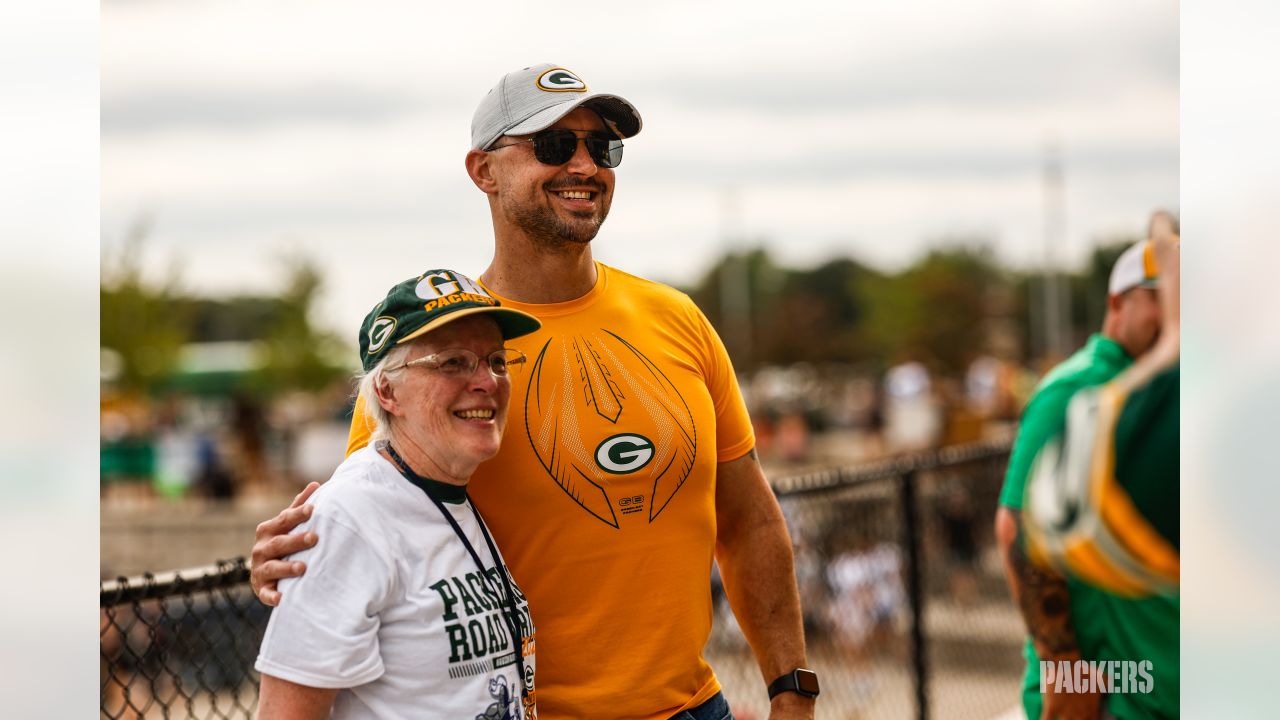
(533, 99)
(433, 299)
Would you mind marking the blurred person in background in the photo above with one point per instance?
(991, 391)
(1068, 620)
(957, 520)
(636, 467)
(794, 438)
(384, 623)
(865, 576)
(249, 444)
(1102, 503)
(912, 416)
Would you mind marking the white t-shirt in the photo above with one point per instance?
(392, 607)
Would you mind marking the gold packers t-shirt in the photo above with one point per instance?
(602, 498)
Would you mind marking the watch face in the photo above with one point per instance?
(807, 680)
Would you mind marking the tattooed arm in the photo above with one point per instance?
(1040, 593)
(1041, 597)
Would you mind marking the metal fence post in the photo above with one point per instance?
(915, 592)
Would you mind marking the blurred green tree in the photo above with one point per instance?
(767, 314)
(148, 325)
(818, 315)
(144, 323)
(733, 295)
(298, 354)
(949, 306)
(936, 310)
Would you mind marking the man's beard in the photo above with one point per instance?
(545, 227)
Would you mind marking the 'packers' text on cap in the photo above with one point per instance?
(423, 303)
(533, 99)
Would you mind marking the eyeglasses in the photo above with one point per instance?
(556, 147)
(461, 363)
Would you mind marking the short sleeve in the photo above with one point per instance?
(325, 631)
(734, 434)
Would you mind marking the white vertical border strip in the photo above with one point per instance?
(49, 358)
(1231, 351)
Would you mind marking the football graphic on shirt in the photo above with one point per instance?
(608, 426)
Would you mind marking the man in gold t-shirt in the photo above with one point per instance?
(628, 463)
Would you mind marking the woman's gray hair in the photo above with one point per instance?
(367, 384)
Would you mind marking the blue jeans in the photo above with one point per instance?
(717, 708)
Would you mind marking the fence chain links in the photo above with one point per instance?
(181, 644)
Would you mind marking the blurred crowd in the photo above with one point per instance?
(224, 447)
(805, 415)
(219, 447)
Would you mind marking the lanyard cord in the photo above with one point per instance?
(513, 624)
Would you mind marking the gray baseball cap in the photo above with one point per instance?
(533, 99)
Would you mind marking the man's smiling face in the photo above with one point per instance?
(555, 204)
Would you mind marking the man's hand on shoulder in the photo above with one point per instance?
(272, 543)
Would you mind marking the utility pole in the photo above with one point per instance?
(735, 289)
(1055, 297)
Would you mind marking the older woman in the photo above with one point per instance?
(407, 609)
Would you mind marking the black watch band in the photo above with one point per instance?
(800, 680)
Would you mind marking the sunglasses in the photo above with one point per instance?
(556, 147)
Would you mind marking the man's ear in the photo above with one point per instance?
(481, 171)
(1113, 301)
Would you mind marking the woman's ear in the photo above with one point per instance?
(386, 395)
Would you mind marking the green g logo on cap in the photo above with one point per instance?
(380, 333)
(560, 80)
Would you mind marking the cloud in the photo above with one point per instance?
(860, 129)
(235, 109)
(1013, 73)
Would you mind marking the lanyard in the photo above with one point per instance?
(513, 613)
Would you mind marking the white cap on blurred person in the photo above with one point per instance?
(1136, 267)
(533, 99)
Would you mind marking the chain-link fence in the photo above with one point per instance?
(905, 606)
(906, 612)
(181, 644)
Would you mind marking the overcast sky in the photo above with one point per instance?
(246, 130)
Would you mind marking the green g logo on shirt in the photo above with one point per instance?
(624, 453)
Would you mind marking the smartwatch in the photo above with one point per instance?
(800, 680)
